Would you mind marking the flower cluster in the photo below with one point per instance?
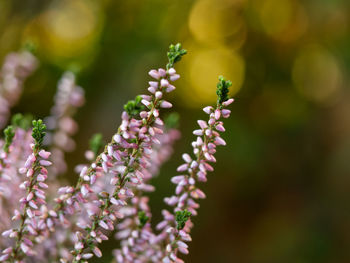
(32, 215)
(46, 220)
(125, 158)
(68, 98)
(176, 228)
(134, 231)
(17, 67)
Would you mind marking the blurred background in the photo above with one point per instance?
(281, 188)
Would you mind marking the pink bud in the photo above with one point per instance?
(220, 128)
(154, 74)
(217, 114)
(171, 71)
(197, 194)
(143, 114)
(30, 196)
(202, 124)
(228, 102)
(25, 248)
(211, 122)
(7, 233)
(87, 256)
(103, 225)
(187, 158)
(162, 72)
(182, 244)
(152, 89)
(170, 88)
(44, 154)
(226, 113)
(208, 109)
(117, 138)
(194, 164)
(159, 94)
(97, 252)
(198, 132)
(84, 190)
(45, 162)
(165, 104)
(219, 141)
(164, 83)
(174, 77)
(177, 179)
(145, 102)
(79, 246)
(153, 84)
(182, 167)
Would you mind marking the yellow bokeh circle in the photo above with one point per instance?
(316, 73)
(212, 22)
(203, 68)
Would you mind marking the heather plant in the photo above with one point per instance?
(43, 219)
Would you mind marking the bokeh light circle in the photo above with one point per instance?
(316, 73)
(213, 22)
(203, 68)
(68, 30)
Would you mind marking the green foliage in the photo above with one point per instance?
(22, 121)
(143, 219)
(134, 107)
(9, 134)
(75, 68)
(175, 54)
(30, 46)
(38, 132)
(181, 218)
(222, 89)
(171, 121)
(96, 143)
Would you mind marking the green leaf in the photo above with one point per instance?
(171, 121)
(96, 143)
(30, 46)
(175, 54)
(181, 218)
(9, 134)
(222, 89)
(38, 132)
(22, 121)
(143, 219)
(134, 107)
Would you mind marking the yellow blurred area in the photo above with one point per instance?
(203, 68)
(285, 20)
(68, 29)
(219, 30)
(213, 22)
(316, 73)
(275, 15)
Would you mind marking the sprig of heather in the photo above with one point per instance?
(57, 245)
(16, 68)
(4, 158)
(134, 231)
(176, 226)
(15, 149)
(61, 126)
(5, 164)
(32, 221)
(123, 157)
(68, 98)
(9, 133)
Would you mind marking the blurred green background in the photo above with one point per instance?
(281, 189)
